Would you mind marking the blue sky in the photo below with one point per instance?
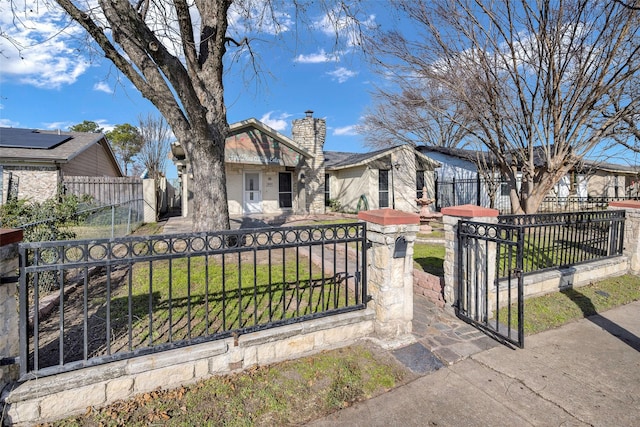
(58, 83)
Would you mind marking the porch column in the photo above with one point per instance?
(450, 218)
(9, 337)
(392, 234)
(631, 244)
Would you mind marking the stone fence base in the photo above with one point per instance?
(68, 394)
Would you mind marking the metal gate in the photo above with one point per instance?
(490, 284)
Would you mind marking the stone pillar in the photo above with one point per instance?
(9, 337)
(389, 275)
(631, 244)
(451, 216)
(311, 133)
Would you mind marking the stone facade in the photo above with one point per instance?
(9, 340)
(36, 183)
(631, 232)
(311, 133)
(70, 393)
(450, 219)
(390, 274)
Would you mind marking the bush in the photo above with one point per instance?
(46, 221)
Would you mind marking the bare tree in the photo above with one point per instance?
(174, 53)
(543, 83)
(155, 135)
(414, 114)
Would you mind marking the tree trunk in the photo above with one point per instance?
(209, 184)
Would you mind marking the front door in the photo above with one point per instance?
(252, 193)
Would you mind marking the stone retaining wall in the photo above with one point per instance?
(430, 286)
(71, 393)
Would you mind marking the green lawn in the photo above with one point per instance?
(429, 257)
(197, 297)
(556, 309)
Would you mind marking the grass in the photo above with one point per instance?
(201, 296)
(429, 257)
(288, 393)
(556, 309)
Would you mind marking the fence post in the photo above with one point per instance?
(113, 221)
(451, 216)
(631, 243)
(391, 234)
(478, 194)
(435, 192)
(9, 333)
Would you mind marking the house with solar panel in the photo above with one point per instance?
(33, 162)
(271, 174)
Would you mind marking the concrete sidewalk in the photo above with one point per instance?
(584, 373)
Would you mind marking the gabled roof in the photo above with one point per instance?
(336, 160)
(63, 146)
(240, 126)
(235, 128)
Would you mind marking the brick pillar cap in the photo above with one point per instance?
(389, 217)
(10, 235)
(632, 204)
(470, 211)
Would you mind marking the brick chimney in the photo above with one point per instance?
(310, 133)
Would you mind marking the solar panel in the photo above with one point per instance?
(30, 138)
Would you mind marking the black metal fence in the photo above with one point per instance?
(494, 258)
(564, 239)
(481, 294)
(112, 299)
(495, 194)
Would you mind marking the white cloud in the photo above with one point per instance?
(8, 123)
(278, 122)
(102, 87)
(342, 74)
(346, 131)
(39, 46)
(317, 58)
(63, 126)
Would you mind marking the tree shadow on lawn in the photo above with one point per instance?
(589, 312)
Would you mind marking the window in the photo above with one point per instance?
(285, 195)
(420, 184)
(383, 188)
(327, 192)
(504, 188)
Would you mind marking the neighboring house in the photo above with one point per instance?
(589, 179)
(389, 178)
(270, 173)
(34, 162)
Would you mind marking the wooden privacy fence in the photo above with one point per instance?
(105, 190)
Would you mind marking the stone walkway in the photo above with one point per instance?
(444, 335)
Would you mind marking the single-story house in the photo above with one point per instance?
(389, 178)
(589, 179)
(34, 162)
(270, 173)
